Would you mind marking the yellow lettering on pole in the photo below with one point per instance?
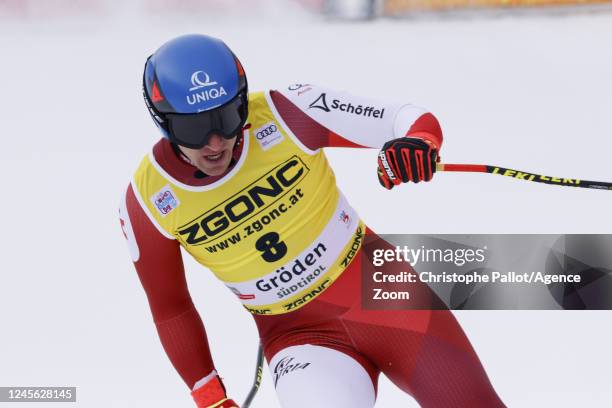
(521, 176)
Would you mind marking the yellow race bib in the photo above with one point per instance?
(276, 229)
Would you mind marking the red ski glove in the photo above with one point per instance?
(406, 159)
(212, 395)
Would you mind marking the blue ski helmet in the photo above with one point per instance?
(194, 87)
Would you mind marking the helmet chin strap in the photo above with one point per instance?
(240, 135)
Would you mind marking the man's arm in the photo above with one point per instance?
(160, 268)
(321, 117)
(409, 137)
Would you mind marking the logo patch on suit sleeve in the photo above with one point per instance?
(165, 200)
(268, 135)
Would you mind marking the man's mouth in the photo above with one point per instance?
(214, 157)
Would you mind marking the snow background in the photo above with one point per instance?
(530, 93)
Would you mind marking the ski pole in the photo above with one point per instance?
(523, 175)
(258, 378)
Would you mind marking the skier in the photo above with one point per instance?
(240, 181)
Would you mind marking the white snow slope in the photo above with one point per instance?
(532, 93)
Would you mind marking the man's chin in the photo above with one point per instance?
(214, 169)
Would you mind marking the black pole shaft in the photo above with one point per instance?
(258, 378)
(538, 178)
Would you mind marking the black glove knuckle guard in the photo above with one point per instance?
(409, 159)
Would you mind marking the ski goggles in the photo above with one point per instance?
(195, 130)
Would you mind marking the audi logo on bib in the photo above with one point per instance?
(266, 132)
(268, 135)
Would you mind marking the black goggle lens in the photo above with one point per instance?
(194, 130)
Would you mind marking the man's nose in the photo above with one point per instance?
(215, 142)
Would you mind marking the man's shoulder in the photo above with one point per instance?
(155, 153)
(141, 176)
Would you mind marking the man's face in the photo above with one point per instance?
(214, 158)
